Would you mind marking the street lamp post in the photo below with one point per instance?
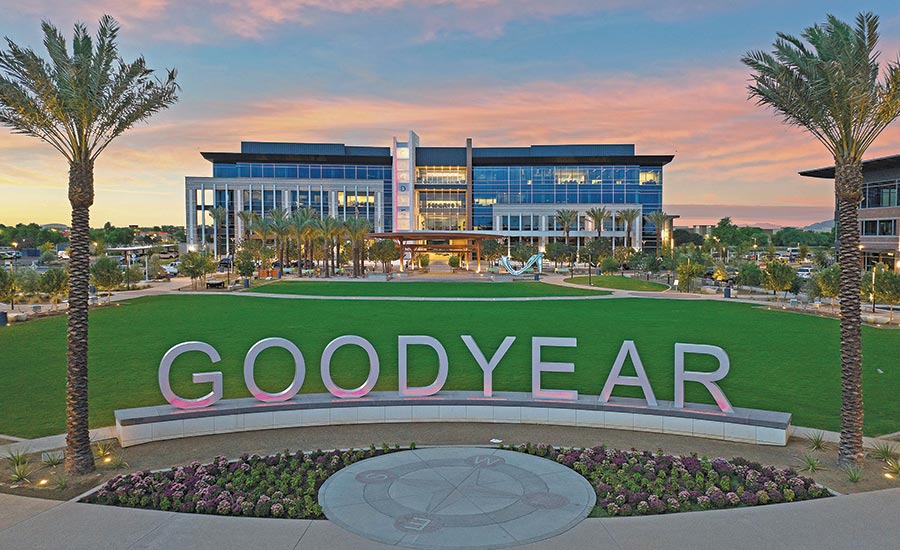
(874, 267)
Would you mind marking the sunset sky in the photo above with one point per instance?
(664, 75)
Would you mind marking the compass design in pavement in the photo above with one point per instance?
(451, 497)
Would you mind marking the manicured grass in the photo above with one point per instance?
(779, 361)
(424, 289)
(618, 282)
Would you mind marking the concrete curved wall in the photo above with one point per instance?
(146, 424)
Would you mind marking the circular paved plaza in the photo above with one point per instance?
(456, 497)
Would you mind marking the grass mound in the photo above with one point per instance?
(618, 282)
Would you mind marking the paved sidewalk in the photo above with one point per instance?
(866, 520)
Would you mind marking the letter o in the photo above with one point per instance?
(374, 368)
(250, 363)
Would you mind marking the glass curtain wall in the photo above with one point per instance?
(441, 209)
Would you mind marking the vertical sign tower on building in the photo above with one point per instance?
(404, 154)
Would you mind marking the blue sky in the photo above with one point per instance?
(663, 75)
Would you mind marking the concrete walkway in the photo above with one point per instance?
(867, 520)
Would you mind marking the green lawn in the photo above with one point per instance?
(618, 282)
(779, 361)
(424, 289)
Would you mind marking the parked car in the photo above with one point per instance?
(172, 268)
(804, 272)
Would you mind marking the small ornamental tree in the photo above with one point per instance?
(197, 265)
(522, 251)
(491, 250)
(828, 283)
(106, 275)
(245, 263)
(384, 251)
(132, 274)
(8, 288)
(55, 283)
(688, 272)
(29, 281)
(886, 289)
(609, 265)
(778, 277)
(749, 274)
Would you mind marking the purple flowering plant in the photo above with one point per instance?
(284, 485)
(631, 482)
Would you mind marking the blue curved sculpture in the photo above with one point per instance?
(536, 259)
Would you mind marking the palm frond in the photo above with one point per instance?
(84, 96)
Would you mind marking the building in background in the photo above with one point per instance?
(879, 210)
(513, 191)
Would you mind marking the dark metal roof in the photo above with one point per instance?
(231, 158)
(572, 150)
(332, 149)
(874, 165)
(535, 155)
(440, 156)
(631, 160)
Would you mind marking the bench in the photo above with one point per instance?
(215, 284)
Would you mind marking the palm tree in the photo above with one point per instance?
(827, 82)
(298, 223)
(598, 215)
(217, 213)
(326, 229)
(281, 229)
(629, 215)
(247, 218)
(566, 218)
(357, 229)
(79, 103)
(659, 219)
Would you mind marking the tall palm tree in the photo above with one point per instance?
(298, 222)
(827, 82)
(357, 229)
(247, 218)
(325, 229)
(659, 219)
(566, 218)
(338, 231)
(310, 231)
(262, 228)
(598, 216)
(217, 213)
(281, 231)
(78, 103)
(629, 215)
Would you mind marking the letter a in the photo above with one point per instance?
(616, 379)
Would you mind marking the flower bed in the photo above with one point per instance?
(636, 483)
(285, 485)
(628, 483)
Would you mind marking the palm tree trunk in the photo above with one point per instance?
(79, 458)
(848, 185)
(299, 257)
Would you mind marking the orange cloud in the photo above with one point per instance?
(727, 150)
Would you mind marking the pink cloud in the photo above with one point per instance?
(727, 150)
(188, 22)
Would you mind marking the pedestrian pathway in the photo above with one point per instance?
(865, 520)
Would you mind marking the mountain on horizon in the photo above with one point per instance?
(820, 226)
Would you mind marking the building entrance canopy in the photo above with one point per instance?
(417, 242)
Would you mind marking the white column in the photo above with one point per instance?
(190, 207)
(203, 216)
(227, 223)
